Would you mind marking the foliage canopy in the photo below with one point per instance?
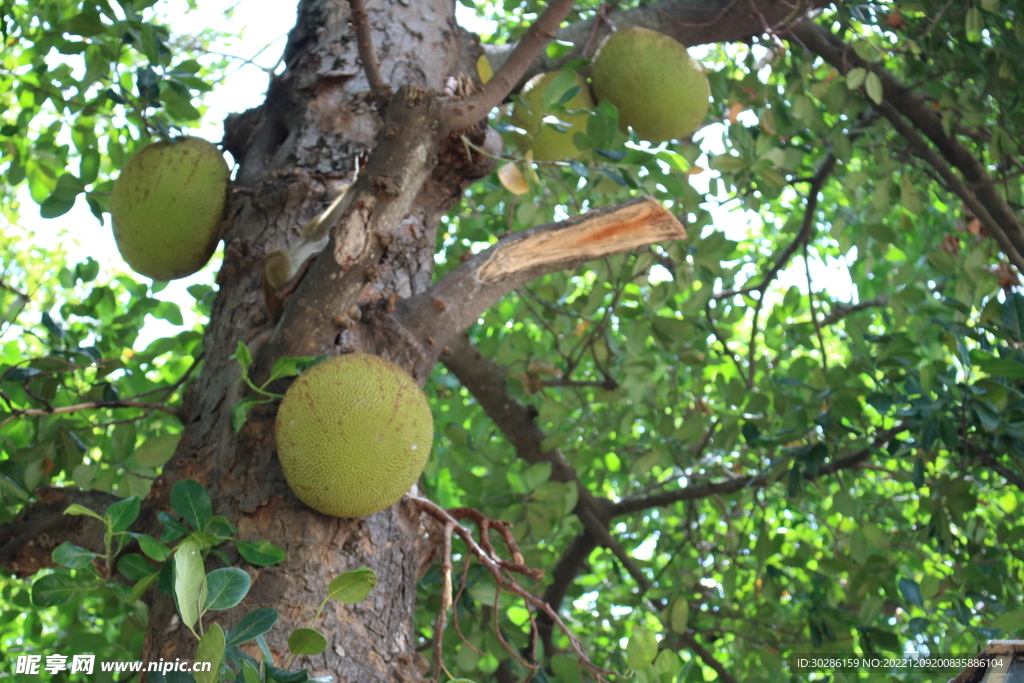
(801, 428)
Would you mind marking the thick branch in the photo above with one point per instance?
(457, 300)
(461, 114)
(979, 193)
(691, 22)
(382, 198)
(708, 489)
(27, 541)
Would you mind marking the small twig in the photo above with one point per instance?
(708, 658)
(814, 311)
(59, 410)
(497, 567)
(824, 171)
(446, 598)
(367, 51)
(608, 384)
(840, 311)
(600, 18)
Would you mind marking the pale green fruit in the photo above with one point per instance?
(353, 435)
(658, 88)
(547, 143)
(166, 207)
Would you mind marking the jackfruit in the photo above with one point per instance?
(353, 435)
(657, 87)
(547, 143)
(166, 207)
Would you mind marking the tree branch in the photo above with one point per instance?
(454, 303)
(707, 657)
(367, 51)
(840, 311)
(92, 405)
(817, 182)
(486, 381)
(898, 102)
(689, 22)
(460, 114)
(27, 541)
(708, 489)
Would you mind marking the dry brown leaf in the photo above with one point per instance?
(734, 110)
(512, 178)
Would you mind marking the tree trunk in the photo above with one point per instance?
(294, 152)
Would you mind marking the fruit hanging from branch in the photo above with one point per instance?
(658, 88)
(166, 207)
(353, 435)
(544, 95)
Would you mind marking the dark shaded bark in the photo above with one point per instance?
(304, 140)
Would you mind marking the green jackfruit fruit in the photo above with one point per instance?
(166, 207)
(353, 435)
(547, 143)
(657, 87)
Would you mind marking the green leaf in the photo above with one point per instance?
(121, 514)
(1003, 367)
(679, 615)
(55, 206)
(1012, 622)
(352, 587)
(189, 582)
(642, 647)
(249, 672)
(210, 649)
(156, 450)
(190, 500)
(140, 587)
(260, 553)
(85, 24)
(173, 529)
(122, 441)
(243, 356)
(306, 641)
(240, 412)
(253, 624)
(152, 547)
(10, 490)
(59, 589)
(855, 77)
(974, 24)
(282, 676)
(873, 85)
(72, 556)
(226, 587)
(911, 591)
(135, 567)
(288, 367)
(76, 509)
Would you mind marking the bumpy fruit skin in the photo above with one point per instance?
(658, 88)
(547, 143)
(353, 435)
(166, 207)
